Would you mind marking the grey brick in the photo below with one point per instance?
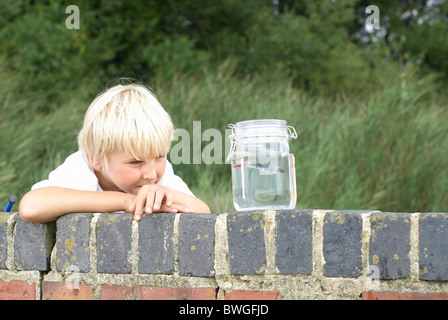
(390, 244)
(72, 242)
(32, 244)
(247, 247)
(342, 244)
(4, 216)
(114, 242)
(156, 243)
(293, 241)
(433, 231)
(197, 245)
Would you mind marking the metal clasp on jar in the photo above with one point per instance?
(233, 142)
(292, 134)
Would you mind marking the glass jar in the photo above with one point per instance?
(263, 169)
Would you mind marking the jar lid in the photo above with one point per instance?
(259, 128)
(263, 128)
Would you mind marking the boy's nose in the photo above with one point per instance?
(149, 172)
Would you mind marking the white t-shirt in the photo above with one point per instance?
(74, 173)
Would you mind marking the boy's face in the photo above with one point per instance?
(124, 173)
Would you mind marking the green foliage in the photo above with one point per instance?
(414, 32)
(172, 56)
(296, 46)
(314, 42)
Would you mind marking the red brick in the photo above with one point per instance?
(59, 291)
(392, 295)
(251, 295)
(162, 293)
(109, 292)
(17, 290)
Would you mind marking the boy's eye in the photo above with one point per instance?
(135, 162)
(161, 156)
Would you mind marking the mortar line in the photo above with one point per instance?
(222, 258)
(318, 235)
(365, 251)
(93, 244)
(93, 272)
(53, 258)
(222, 255)
(134, 255)
(414, 253)
(176, 228)
(10, 234)
(269, 238)
(54, 250)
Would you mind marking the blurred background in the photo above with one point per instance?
(370, 105)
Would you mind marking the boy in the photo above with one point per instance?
(123, 145)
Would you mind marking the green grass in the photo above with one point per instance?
(386, 149)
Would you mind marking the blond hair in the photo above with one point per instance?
(125, 118)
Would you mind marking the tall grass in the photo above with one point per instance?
(384, 150)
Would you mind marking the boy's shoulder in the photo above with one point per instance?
(73, 165)
(73, 173)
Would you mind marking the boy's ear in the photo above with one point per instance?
(95, 165)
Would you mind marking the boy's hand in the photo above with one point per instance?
(155, 198)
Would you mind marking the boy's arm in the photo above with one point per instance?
(47, 204)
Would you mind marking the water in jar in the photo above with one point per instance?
(264, 182)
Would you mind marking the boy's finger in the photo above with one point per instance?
(158, 199)
(139, 205)
(131, 208)
(138, 213)
(137, 216)
(149, 201)
(164, 208)
(183, 209)
(169, 199)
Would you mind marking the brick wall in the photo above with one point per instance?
(294, 254)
